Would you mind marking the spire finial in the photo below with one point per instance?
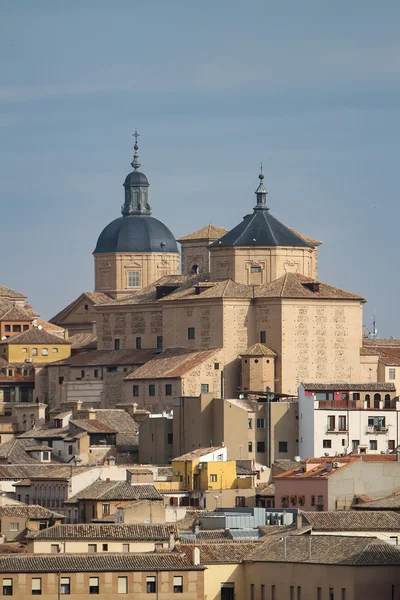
(135, 162)
(261, 192)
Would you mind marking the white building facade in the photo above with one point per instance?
(336, 419)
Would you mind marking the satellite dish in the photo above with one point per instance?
(40, 327)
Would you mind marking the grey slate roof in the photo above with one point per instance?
(116, 490)
(260, 228)
(329, 549)
(107, 532)
(96, 563)
(136, 233)
(353, 520)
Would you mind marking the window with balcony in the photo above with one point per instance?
(377, 423)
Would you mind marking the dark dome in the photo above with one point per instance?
(136, 233)
(136, 178)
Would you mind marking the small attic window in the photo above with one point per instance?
(313, 286)
(86, 307)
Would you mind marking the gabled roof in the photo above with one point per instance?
(94, 531)
(92, 426)
(172, 363)
(209, 232)
(12, 312)
(91, 297)
(31, 511)
(86, 341)
(6, 292)
(107, 358)
(294, 285)
(391, 502)
(36, 336)
(306, 238)
(231, 552)
(15, 451)
(258, 350)
(350, 520)
(226, 288)
(116, 490)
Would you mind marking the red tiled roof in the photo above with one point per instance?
(172, 363)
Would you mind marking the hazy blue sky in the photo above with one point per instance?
(310, 87)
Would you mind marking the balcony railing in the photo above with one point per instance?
(337, 430)
(376, 429)
(344, 404)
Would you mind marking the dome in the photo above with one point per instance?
(136, 178)
(136, 233)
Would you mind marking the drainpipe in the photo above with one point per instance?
(268, 425)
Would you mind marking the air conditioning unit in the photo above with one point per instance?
(28, 360)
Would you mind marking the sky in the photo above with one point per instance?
(312, 88)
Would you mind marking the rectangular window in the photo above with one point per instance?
(291, 596)
(273, 592)
(92, 548)
(331, 423)
(105, 547)
(170, 438)
(204, 388)
(263, 337)
(392, 373)
(105, 509)
(54, 350)
(16, 328)
(298, 592)
(14, 526)
(260, 424)
(55, 548)
(36, 586)
(282, 447)
(138, 343)
(255, 269)
(343, 593)
(60, 380)
(355, 444)
(343, 441)
(135, 390)
(34, 351)
(312, 500)
(45, 352)
(25, 327)
(7, 587)
(331, 594)
(10, 372)
(319, 593)
(250, 447)
(252, 591)
(216, 366)
(65, 586)
(7, 328)
(116, 344)
(133, 278)
(213, 478)
(168, 389)
(356, 396)
(122, 585)
(96, 373)
(240, 501)
(178, 584)
(260, 446)
(93, 585)
(327, 443)
(159, 341)
(152, 389)
(391, 444)
(125, 547)
(250, 423)
(191, 333)
(394, 540)
(151, 583)
(373, 445)
(342, 423)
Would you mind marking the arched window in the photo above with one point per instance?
(387, 401)
(195, 269)
(377, 399)
(367, 399)
(45, 351)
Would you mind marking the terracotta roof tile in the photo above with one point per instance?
(96, 563)
(391, 502)
(35, 336)
(294, 285)
(231, 552)
(258, 350)
(116, 490)
(172, 363)
(350, 520)
(7, 292)
(32, 511)
(107, 358)
(107, 532)
(209, 232)
(307, 239)
(350, 387)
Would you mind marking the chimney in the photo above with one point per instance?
(196, 556)
(94, 326)
(196, 529)
(91, 414)
(299, 520)
(171, 544)
(76, 407)
(66, 334)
